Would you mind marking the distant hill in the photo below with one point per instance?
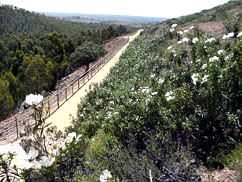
(36, 50)
(106, 17)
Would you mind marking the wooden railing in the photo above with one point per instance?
(9, 128)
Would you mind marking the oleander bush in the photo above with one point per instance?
(180, 85)
(172, 103)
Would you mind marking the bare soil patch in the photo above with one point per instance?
(235, 10)
(215, 28)
(224, 175)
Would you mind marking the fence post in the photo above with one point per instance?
(49, 105)
(66, 93)
(58, 102)
(16, 122)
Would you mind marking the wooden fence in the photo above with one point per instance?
(9, 128)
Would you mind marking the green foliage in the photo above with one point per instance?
(99, 147)
(172, 101)
(152, 88)
(85, 54)
(35, 50)
(6, 100)
(218, 13)
(38, 72)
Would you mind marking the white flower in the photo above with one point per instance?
(210, 40)
(220, 52)
(195, 40)
(180, 32)
(169, 47)
(239, 35)
(228, 36)
(145, 90)
(152, 76)
(185, 31)
(179, 42)
(70, 138)
(172, 30)
(205, 78)
(185, 39)
(195, 78)
(169, 96)
(214, 58)
(192, 27)
(57, 151)
(33, 99)
(18, 150)
(47, 161)
(154, 93)
(25, 164)
(5, 149)
(174, 25)
(78, 138)
(33, 154)
(204, 66)
(26, 161)
(161, 80)
(105, 176)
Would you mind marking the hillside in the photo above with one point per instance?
(37, 50)
(106, 18)
(170, 110)
(216, 21)
(176, 90)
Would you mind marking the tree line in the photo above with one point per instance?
(36, 51)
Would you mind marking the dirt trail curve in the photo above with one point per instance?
(66, 111)
(63, 117)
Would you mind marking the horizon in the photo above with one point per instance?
(154, 8)
(100, 14)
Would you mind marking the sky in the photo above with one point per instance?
(150, 8)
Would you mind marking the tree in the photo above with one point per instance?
(36, 74)
(14, 86)
(85, 54)
(6, 100)
(55, 50)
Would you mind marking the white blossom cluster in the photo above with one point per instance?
(210, 40)
(239, 35)
(173, 27)
(105, 176)
(33, 99)
(169, 96)
(195, 77)
(230, 35)
(28, 160)
(220, 52)
(195, 40)
(214, 58)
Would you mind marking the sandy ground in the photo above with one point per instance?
(64, 116)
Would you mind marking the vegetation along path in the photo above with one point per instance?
(64, 116)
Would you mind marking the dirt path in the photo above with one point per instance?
(63, 117)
